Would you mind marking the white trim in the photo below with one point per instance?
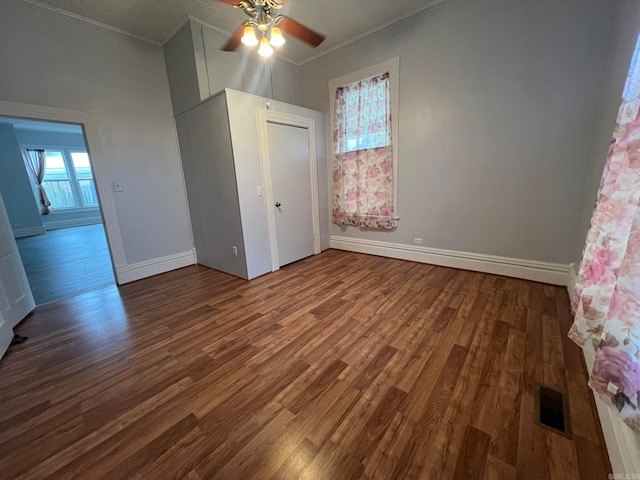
(622, 444)
(309, 124)
(72, 222)
(93, 141)
(29, 231)
(156, 266)
(67, 13)
(571, 280)
(553, 273)
(393, 67)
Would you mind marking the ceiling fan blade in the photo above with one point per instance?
(230, 2)
(298, 30)
(234, 40)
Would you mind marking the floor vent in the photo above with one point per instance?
(552, 410)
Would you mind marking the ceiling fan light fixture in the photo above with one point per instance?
(265, 49)
(249, 38)
(277, 39)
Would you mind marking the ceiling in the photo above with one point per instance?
(342, 21)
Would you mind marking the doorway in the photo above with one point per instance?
(290, 179)
(61, 239)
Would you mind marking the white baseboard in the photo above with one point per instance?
(553, 273)
(622, 443)
(148, 268)
(72, 223)
(28, 231)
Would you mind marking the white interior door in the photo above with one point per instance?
(291, 187)
(16, 299)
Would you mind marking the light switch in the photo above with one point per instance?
(259, 190)
(117, 186)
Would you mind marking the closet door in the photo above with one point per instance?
(291, 186)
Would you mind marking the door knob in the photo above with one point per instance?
(278, 204)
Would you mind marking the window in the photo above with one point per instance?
(364, 108)
(84, 176)
(68, 179)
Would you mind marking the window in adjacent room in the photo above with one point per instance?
(68, 179)
(364, 112)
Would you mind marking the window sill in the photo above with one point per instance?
(59, 211)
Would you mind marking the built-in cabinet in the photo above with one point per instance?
(226, 157)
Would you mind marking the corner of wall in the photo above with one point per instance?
(156, 266)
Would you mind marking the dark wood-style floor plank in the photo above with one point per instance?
(66, 262)
(339, 366)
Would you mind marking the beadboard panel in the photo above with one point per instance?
(210, 177)
(243, 119)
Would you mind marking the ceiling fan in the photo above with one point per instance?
(265, 20)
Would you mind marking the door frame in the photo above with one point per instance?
(309, 124)
(89, 123)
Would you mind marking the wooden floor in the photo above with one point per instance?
(336, 367)
(66, 262)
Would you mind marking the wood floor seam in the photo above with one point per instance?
(340, 366)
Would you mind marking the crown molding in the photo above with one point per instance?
(430, 4)
(75, 16)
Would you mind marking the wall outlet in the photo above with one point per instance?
(417, 241)
(259, 190)
(235, 251)
(117, 186)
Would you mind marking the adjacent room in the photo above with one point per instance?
(320, 239)
(49, 193)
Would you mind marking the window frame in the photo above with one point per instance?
(71, 173)
(393, 67)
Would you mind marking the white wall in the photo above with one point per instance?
(617, 70)
(498, 108)
(623, 444)
(242, 70)
(197, 69)
(54, 60)
(181, 70)
(15, 186)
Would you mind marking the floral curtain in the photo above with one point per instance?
(362, 155)
(607, 296)
(35, 162)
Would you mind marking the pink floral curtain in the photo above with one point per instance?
(607, 296)
(363, 156)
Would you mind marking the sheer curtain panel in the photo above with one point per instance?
(35, 163)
